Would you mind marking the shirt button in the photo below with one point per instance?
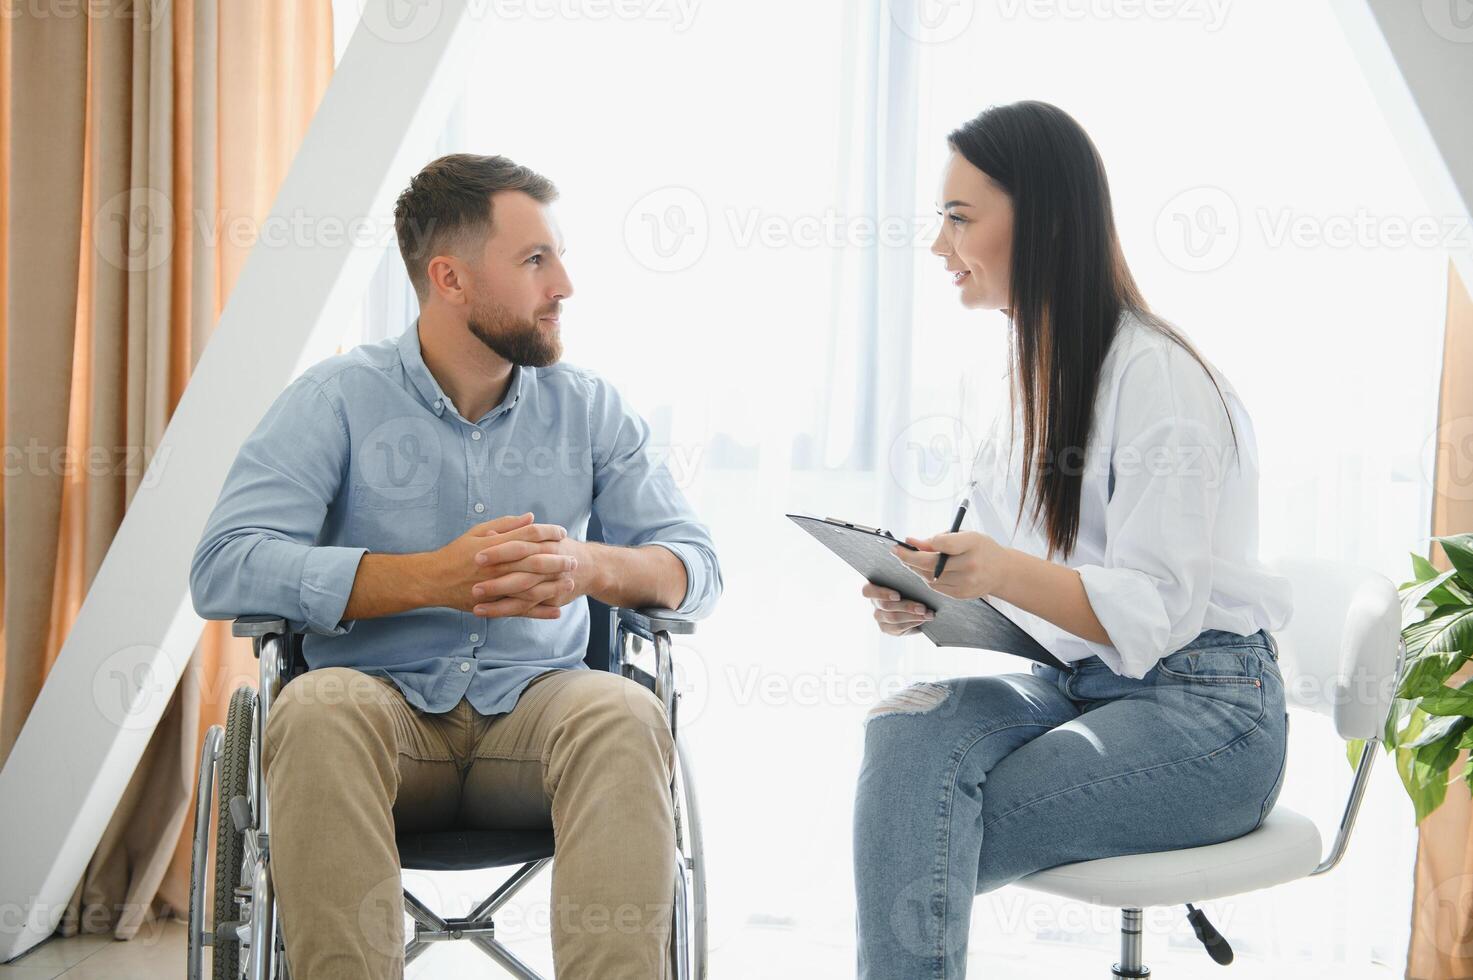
(438, 403)
(464, 666)
(475, 637)
(480, 508)
(476, 434)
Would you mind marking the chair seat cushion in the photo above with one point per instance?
(1285, 847)
(464, 850)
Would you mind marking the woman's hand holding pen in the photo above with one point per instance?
(975, 563)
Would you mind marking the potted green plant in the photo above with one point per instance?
(1431, 722)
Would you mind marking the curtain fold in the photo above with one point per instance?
(5, 143)
(47, 88)
(134, 135)
(1442, 903)
(120, 400)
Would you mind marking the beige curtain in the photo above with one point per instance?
(137, 135)
(5, 73)
(1442, 903)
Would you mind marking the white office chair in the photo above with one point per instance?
(1340, 655)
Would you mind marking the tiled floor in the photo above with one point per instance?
(157, 952)
(761, 954)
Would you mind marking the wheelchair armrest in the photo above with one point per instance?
(648, 622)
(258, 625)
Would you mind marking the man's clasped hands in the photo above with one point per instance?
(512, 567)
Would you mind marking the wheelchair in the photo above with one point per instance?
(245, 933)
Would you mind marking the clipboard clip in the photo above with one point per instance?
(860, 527)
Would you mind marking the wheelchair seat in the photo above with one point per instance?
(474, 850)
(469, 850)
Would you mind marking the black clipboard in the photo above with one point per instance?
(974, 623)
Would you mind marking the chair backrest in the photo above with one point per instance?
(602, 631)
(1339, 652)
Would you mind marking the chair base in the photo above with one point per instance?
(1130, 966)
(477, 927)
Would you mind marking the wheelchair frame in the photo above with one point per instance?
(247, 815)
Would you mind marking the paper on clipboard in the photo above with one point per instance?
(974, 623)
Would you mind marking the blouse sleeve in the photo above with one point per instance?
(1171, 448)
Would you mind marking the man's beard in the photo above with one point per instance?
(524, 342)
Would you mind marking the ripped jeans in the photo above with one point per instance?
(972, 783)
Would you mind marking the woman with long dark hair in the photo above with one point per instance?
(1117, 514)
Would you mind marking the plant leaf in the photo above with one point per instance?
(1425, 795)
(1398, 720)
(1425, 788)
(1438, 757)
(1459, 551)
(1448, 701)
(1424, 676)
(1431, 723)
(1436, 648)
(1454, 590)
(1422, 568)
(1413, 595)
(1440, 727)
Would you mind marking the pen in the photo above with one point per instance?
(956, 525)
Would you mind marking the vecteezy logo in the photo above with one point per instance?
(400, 459)
(932, 21)
(690, 678)
(931, 457)
(667, 229)
(1447, 452)
(400, 21)
(1198, 230)
(134, 229)
(1450, 19)
(132, 687)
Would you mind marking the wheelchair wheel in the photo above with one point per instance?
(689, 950)
(236, 780)
(204, 795)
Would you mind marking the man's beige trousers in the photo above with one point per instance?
(348, 762)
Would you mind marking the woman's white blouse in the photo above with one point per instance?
(1168, 527)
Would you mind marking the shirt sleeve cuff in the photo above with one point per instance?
(1129, 607)
(690, 557)
(327, 581)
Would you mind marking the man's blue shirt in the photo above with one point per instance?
(364, 452)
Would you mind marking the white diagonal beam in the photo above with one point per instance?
(385, 105)
(1418, 60)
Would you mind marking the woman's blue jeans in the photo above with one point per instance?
(972, 783)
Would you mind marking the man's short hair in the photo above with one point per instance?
(447, 207)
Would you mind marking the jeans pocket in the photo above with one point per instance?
(1214, 665)
(1222, 675)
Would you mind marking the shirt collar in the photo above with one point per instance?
(424, 382)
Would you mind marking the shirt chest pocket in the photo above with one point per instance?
(395, 519)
